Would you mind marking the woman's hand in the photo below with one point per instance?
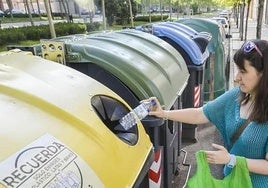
(155, 110)
(221, 156)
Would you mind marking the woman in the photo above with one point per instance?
(247, 102)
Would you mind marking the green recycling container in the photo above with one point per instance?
(215, 80)
(136, 66)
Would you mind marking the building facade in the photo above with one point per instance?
(74, 6)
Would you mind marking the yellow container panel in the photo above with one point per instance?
(50, 132)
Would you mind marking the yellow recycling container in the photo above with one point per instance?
(59, 128)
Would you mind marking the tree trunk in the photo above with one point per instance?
(29, 12)
(31, 3)
(62, 14)
(259, 19)
(160, 7)
(150, 16)
(70, 16)
(103, 15)
(10, 7)
(50, 9)
(65, 10)
(1, 5)
(266, 14)
(50, 21)
(38, 7)
(142, 8)
(131, 13)
(170, 10)
(241, 28)
(236, 14)
(67, 7)
(246, 27)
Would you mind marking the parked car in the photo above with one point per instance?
(225, 14)
(2, 13)
(223, 21)
(37, 12)
(14, 11)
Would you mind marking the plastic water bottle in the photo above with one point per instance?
(138, 113)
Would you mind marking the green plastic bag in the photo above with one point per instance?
(238, 178)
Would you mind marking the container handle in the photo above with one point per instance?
(186, 164)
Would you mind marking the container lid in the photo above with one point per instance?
(201, 38)
(183, 40)
(181, 27)
(50, 131)
(146, 64)
(201, 24)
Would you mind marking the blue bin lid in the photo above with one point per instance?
(181, 27)
(183, 40)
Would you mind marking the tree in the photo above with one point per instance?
(38, 7)
(131, 13)
(119, 9)
(1, 5)
(31, 3)
(66, 9)
(235, 12)
(103, 14)
(29, 12)
(246, 26)
(50, 9)
(161, 12)
(10, 7)
(259, 19)
(241, 27)
(112, 9)
(50, 21)
(150, 16)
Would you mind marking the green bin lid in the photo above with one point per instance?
(202, 24)
(146, 64)
(215, 46)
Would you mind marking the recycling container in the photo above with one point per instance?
(193, 48)
(217, 69)
(136, 66)
(59, 129)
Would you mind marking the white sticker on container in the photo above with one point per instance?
(48, 163)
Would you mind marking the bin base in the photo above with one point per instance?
(189, 133)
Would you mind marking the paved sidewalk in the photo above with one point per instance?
(208, 134)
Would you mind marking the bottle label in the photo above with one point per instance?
(138, 113)
(141, 111)
(128, 120)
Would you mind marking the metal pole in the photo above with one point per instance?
(211, 82)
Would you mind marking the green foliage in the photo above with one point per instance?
(16, 35)
(118, 10)
(194, 7)
(154, 18)
(95, 26)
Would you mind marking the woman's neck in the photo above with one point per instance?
(246, 109)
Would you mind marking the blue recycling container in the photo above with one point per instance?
(193, 48)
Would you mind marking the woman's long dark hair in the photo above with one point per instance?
(259, 112)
